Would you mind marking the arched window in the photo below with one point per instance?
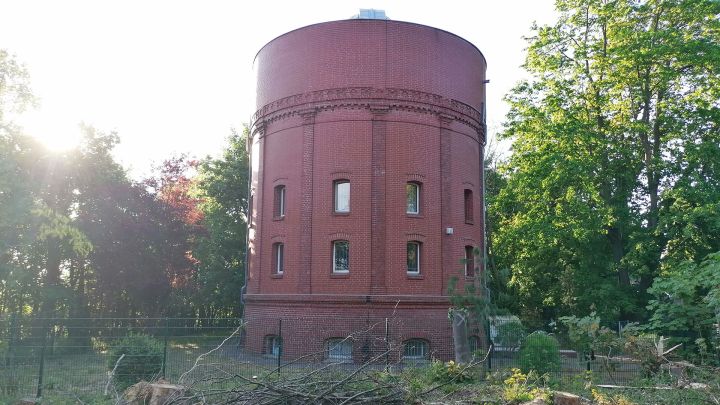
(341, 256)
(412, 191)
(468, 206)
(413, 257)
(416, 349)
(279, 202)
(341, 196)
(278, 258)
(272, 345)
(338, 349)
(469, 261)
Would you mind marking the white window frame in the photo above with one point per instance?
(335, 245)
(282, 201)
(279, 257)
(279, 204)
(417, 198)
(418, 253)
(336, 196)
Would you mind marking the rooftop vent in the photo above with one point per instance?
(370, 14)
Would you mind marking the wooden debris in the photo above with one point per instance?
(28, 401)
(565, 398)
(145, 393)
(623, 387)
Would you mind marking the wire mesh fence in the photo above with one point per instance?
(100, 357)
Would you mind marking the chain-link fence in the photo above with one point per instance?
(552, 353)
(100, 357)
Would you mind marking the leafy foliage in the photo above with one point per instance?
(613, 177)
(79, 238)
(450, 372)
(222, 188)
(143, 357)
(686, 305)
(540, 352)
(520, 387)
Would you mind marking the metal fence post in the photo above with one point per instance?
(280, 345)
(491, 349)
(387, 344)
(42, 359)
(12, 332)
(165, 346)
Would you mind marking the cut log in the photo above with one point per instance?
(163, 393)
(565, 398)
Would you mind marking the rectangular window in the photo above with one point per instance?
(339, 349)
(278, 258)
(469, 261)
(279, 203)
(413, 257)
(272, 345)
(341, 256)
(468, 206)
(342, 196)
(413, 198)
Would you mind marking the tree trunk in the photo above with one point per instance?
(460, 337)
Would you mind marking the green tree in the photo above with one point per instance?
(621, 111)
(222, 187)
(686, 305)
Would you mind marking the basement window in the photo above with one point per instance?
(339, 349)
(416, 349)
(272, 345)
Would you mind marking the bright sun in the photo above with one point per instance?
(56, 134)
(58, 142)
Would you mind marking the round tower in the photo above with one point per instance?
(367, 188)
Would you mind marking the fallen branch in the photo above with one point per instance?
(202, 356)
(112, 374)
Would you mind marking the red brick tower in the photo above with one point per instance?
(366, 187)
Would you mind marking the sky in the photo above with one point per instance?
(174, 77)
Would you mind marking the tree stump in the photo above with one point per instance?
(162, 393)
(565, 398)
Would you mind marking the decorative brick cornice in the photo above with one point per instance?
(307, 300)
(376, 100)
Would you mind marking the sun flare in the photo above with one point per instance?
(57, 135)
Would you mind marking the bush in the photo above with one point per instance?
(449, 372)
(520, 388)
(540, 352)
(143, 359)
(510, 334)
